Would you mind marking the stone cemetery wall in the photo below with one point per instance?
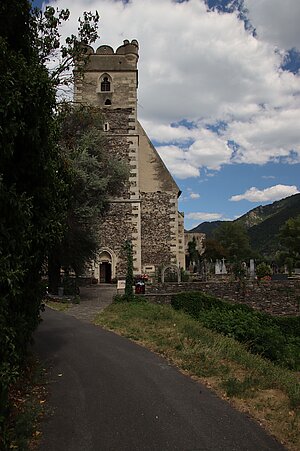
(274, 297)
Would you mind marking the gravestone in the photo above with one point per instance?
(252, 269)
(223, 269)
(218, 268)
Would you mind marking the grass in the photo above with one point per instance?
(252, 384)
(60, 306)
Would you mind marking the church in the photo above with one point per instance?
(147, 211)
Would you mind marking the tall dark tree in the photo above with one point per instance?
(32, 185)
(289, 237)
(94, 176)
(30, 190)
(234, 239)
(214, 250)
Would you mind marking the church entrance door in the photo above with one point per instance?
(105, 272)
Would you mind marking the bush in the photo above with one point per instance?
(263, 270)
(274, 338)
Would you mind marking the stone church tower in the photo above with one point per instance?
(147, 212)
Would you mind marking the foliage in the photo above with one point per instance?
(129, 274)
(30, 189)
(184, 275)
(193, 253)
(239, 270)
(46, 26)
(262, 223)
(27, 399)
(93, 176)
(264, 236)
(233, 237)
(33, 188)
(261, 333)
(263, 270)
(289, 236)
(214, 250)
(289, 261)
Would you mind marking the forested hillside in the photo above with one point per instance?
(262, 223)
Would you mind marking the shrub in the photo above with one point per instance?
(263, 270)
(274, 338)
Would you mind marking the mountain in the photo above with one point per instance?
(208, 227)
(263, 235)
(262, 223)
(284, 208)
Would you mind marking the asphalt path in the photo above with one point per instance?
(106, 393)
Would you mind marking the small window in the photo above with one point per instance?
(106, 126)
(105, 84)
(107, 102)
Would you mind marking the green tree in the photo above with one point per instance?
(214, 250)
(289, 237)
(94, 176)
(263, 270)
(33, 193)
(193, 254)
(67, 55)
(29, 187)
(234, 239)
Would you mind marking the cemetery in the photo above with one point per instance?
(276, 295)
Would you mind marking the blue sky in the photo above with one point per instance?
(219, 87)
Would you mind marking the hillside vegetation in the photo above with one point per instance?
(262, 223)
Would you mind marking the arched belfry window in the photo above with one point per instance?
(107, 102)
(105, 84)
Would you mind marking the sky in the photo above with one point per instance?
(219, 94)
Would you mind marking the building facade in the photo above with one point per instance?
(147, 211)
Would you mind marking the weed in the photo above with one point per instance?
(26, 399)
(240, 388)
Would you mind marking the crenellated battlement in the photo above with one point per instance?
(128, 48)
(125, 58)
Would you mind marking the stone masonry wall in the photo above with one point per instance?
(114, 232)
(156, 223)
(274, 297)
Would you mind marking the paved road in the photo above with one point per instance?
(109, 394)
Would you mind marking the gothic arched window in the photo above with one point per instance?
(105, 84)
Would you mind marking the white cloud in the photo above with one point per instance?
(201, 216)
(194, 195)
(267, 137)
(268, 177)
(276, 21)
(209, 150)
(208, 71)
(276, 192)
(176, 160)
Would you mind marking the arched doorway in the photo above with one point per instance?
(106, 261)
(105, 272)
